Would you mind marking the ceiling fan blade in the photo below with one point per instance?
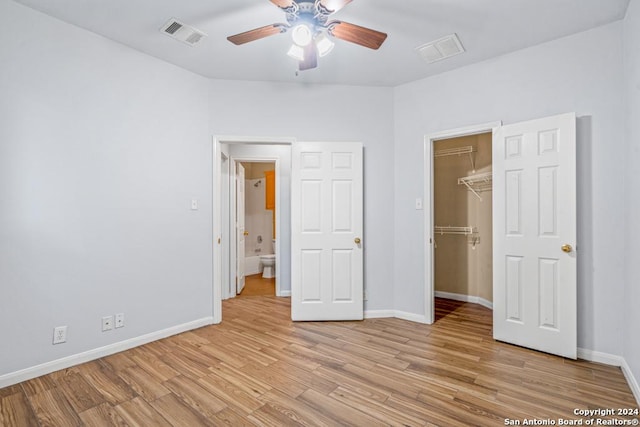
(356, 34)
(334, 5)
(258, 33)
(310, 58)
(283, 4)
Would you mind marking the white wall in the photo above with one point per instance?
(580, 73)
(98, 164)
(326, 113)
(631, 342)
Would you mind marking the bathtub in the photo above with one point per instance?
(252, 265)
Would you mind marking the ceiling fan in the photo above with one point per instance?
(311, 30)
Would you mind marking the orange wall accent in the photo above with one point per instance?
(270, 199)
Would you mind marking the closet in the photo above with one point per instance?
(463, 256)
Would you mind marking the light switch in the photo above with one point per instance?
(194, 204)
(418, 204)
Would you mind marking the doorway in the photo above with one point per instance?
(462, 210)
(256, 275)
(227, 153)
(449, 151)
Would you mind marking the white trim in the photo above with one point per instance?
(613, 360)
(466, 298)
(378, 314)
(411, 317)
(96, 353)
(633, 382)
(284, 293)
(599, 357)
(429, 278)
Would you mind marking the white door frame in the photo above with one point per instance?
(429, 286)
(223, 245)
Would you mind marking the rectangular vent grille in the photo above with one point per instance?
(440, 49)
(175, 26)
(183, 33)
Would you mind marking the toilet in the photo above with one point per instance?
(269, 263)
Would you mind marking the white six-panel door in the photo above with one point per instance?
(534, 213)
(326, 235)
(240, 228)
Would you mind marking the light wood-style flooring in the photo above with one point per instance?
(256, 285)
(259, 368)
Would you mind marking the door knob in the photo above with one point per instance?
(567, 248)
(246, 233)
(357, 240)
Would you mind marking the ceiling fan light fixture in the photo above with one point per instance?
(296, 52)
(301, 35)
(324, 44)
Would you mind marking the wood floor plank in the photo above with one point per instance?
(53, 409)
(15, 410)
(342, 413)
(235, 397)
(178, 413)
(292, 409)
(80, 393)
(102, 415)
(143, 383)
(259, 368)
(195, 396)
(389, 416)
(138, 413)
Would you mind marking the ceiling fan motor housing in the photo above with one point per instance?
(310, 13)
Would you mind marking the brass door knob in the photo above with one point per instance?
(567, 248)
(357, 240)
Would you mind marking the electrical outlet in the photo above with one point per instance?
(59, 335)
(119, 320)
(107, 323)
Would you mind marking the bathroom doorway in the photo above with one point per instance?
(229, 151)
(256, 213)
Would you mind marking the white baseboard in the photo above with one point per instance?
(599, 357)
(378, 314)
(96, 353)
(284, 293)
(412, 317)
(613, 360)
(466, 298)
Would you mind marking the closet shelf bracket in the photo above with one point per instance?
(477, 183)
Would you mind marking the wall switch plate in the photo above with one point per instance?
(119, 320)
(107, 323)
(59, 335)
(418, 204)
(194, 204)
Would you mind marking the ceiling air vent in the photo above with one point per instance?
(181, 32)
(440, 49)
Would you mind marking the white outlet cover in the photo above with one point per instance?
(59, 335)
(194, 204)
(107, 323)
(119, 320)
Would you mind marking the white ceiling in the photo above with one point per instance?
(487, 28)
